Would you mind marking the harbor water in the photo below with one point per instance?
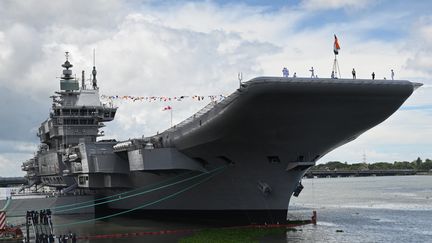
(355, 209)
(365, 209)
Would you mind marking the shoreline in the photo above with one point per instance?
(362, 173)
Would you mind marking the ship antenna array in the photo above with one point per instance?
(94, 72)
(83, 79)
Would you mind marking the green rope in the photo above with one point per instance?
(8, 201)
(134, 195)
(115, 195)
(144, 205)
(122, 193)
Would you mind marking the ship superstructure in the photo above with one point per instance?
(241, 157)
(74, 123)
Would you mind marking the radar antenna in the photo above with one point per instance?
(67, 74)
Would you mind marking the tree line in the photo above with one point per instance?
(418, 165)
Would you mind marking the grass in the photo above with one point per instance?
(231, 235)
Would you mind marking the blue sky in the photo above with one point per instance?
(171, 48)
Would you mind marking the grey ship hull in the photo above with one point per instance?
(258, 143)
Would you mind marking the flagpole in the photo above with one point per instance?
(336, 48)
(335, 66)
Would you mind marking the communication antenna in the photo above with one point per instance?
(82, 80)
(240, 78)
(94, 72)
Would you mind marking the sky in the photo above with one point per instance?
(173, 48)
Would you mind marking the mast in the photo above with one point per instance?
(82, 79)
(94, 72)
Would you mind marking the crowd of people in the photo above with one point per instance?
(45, 238)
(285, 74)
(43, 217)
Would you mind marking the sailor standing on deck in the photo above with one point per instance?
(285, 72)
(392, 74)
(312, 72)
(353, 73)
(373, 75)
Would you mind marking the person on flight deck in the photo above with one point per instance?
(285, 72)
(392, 74)
(373, 75)
(312, 72)
(353, 73)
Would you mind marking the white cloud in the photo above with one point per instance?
(250, 22)
(420, 43)
(13, 154)
(80, 13)
(10, 164)
(335, 4)
(4, 164)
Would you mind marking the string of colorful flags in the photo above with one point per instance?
(163, 98)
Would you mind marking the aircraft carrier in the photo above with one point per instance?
(242, 157)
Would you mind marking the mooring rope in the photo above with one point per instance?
(8, 201)
(112, 196)
(215, 172)
(135, 194)
(123, 193)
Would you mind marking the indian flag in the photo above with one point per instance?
(336, 46)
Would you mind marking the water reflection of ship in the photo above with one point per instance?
(241, 157)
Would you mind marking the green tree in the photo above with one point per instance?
(381, 166)
(405, 165)
(418, 162)
(426, 166)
